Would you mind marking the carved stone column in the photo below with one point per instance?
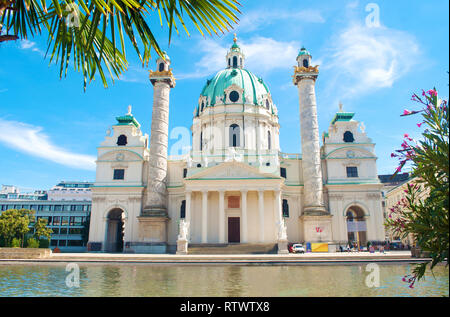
(153, 218)
(305, 79)
(316, 219)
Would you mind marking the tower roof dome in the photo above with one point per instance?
(253, 87)
(303, 51)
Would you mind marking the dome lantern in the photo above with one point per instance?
(304, 58)
(235, 58)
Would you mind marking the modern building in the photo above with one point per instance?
(235, 185)
(66, 207)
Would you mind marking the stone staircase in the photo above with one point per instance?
(232, 248)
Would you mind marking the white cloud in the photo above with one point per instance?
(31, 140)
(262, 54)
(135, 74)
(363, 59)
(30, 45)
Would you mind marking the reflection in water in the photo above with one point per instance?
(228, 281)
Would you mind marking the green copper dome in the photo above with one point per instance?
(303, 51)
(254, 87)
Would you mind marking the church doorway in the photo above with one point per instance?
(356, 226)
(115, 231)
(234, 230)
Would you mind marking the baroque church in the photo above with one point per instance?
(235, 186)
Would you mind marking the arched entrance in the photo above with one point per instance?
(356, 226)
(114, 230)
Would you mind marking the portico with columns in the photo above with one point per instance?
(232, 190)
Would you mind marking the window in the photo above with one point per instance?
(122, 140)
(183, 209)
(161, 67)
(64, 221)
(234, 96)
(269, 141)
(119, 174)
(285, 208)
(74, 243)
(74, 230)
(235, 61)
(235, 135)
(348, 137)
(58, 208)
(63, 231)
(229, 62)
(283, 172)
(352, 171)
(62, 243)
(267, 105)
(305, 63)
(184, 172)
(201, 141)
(56, 221)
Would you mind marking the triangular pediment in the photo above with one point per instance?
(231, 170)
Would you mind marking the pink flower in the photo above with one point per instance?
(411, 286)
(393, 155)
(406, 112)
(419, 124)
(432, 92)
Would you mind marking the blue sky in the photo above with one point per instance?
(50, 128)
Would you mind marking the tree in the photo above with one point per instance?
(424, 212)
(14, 224)
(41, 230)
(89, 31)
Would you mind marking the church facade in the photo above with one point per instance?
(235, 185)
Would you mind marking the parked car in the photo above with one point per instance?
(298, 248)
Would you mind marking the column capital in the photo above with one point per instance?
(221, 191)
(244, 190)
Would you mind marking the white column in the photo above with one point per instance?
(309, 130)
(188, 212)
(244, 215)
(205, 216)
(278, 209)
(261, 215)
(221, 216)
(188, 206)
(156, 199)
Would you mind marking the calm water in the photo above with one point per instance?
(171, 280)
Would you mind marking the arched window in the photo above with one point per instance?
(267, 104)
(203, 105)
(305, 63)
(269, 141)
(235, 62)
(235, 133)
(348, 137)
(161, 67)
(240, 61)
(122, 140)
(229, 62)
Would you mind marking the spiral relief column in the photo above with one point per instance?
(153, 219)
(316, 219)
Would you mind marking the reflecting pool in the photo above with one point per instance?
(230, 281)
